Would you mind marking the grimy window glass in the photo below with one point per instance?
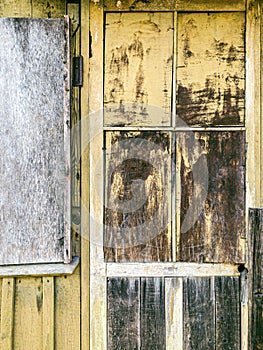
(34, 141)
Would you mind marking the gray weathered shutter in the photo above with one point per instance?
(34, 136)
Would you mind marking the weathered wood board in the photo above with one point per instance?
(123, 313)
(199, 314)
(217, 234)
(137, 190)
(138, 68)
(227, 297)
(211, 69)
(256, 232)
(34, 124)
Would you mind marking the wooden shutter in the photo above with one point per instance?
(35, 136)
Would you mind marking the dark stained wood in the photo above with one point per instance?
(35, 129)
(137, 193)
(152, 314)
(211, 44)
(123, 313)
(256, 232)
(199, 314)
(227, 296)
(216, 235)
(138, 68)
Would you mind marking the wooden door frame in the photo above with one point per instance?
(92, 273)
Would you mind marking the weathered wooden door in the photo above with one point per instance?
(168, 139)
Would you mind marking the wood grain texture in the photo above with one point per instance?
(217, 234)
(123, 313)
(152, 314)
(14, 8)
(210, 43)
(48, 313)
(199, 313)
(67, 312)
(28, 314)
(34, 170)
(48, 9)
(227, 296)
(137, 203)
(7, 313)
(138, 68)
(169, 5)
(256, 232)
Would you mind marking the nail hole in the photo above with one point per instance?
(241, 268)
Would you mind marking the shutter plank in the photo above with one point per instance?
(199, 314)
(217, 96)
(256, 232)
(153, 335)
(137, 224)
(34, 166)
(217, 234)
(138, 68)
(227, 313)
(123, 313)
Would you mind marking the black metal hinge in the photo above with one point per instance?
(77, 71)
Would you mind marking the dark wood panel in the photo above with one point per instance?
(123, 313)
(211, 44)
(137, 207)
(138, 68)
(216, 236)
(152, 314)
(199, 314)
(227, 296)
(256, 232)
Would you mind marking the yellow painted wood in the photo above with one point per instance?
(138, 69)
(85, 281)
(7, 314)
(67, 312)
(174, 313)
(28, 315)
(253, 103)
(49, 9)
(180, 5)
(15, 8)
(48, 313)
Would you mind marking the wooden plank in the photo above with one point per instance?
(28, 319)
(67, 312)
(174, 313)
(40, 269)
(199, 313)
(48, 313)
(7, 314)
(137, 219)
(170, 269)
(85, 176)
(253, 102)
(256, 232)
(138, 68)
(227, 296)
(123, 313)
(98, 302)
(48, 9)
(216, 235)
(14, 8)
(179, 5)
(152, 314)
(217, 96)
(35, 170)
